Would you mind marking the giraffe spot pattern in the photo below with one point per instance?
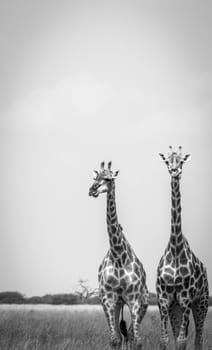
(173, 240)
(168, 258)
(114, 240)
(169, 271)
(118, 249)
(121, 275)
(179, 280)
(190, 286)
(112, 281)
(184, 270)
(183, 258)
(113, 228)
(179, 248)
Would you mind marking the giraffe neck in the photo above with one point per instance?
(176, 238)
(116, 237)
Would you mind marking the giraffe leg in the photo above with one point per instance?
(199, 310)
(163, 308)
(175, 316)
(185, 305)
(112, 312)
(137, 310)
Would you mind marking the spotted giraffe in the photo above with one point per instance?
(122, 279)
(182, 283)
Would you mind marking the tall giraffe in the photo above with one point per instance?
(182, 283)
(122, 279)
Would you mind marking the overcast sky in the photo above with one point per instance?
(86, 81)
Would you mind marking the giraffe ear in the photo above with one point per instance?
(162, 157)
(95, 174)
(115, 174)
(186, 158)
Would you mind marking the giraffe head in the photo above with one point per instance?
(102, 180)
(175, 161)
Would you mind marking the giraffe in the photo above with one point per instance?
(182, 283)
(121, 276)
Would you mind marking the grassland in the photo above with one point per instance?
(74, 328)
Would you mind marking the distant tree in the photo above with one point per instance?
(45, 299)
(34, 300)
(95, 300)
(65, 299)
(11, 298)
(54, 299)
(85, 292)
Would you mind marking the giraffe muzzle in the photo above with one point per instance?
(93, 192)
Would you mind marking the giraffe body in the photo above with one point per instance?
(122, 279)
(182, 283)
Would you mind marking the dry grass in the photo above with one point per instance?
(74, 329)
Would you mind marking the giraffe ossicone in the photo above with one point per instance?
(122, 279)
(182, 283)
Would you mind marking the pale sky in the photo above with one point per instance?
(86, 81)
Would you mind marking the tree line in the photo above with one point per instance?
(83, 295)
(55, 299)
(60, 299)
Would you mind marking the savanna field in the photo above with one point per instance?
(75, 328)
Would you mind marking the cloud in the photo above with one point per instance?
(80, 96)
(83, 101)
